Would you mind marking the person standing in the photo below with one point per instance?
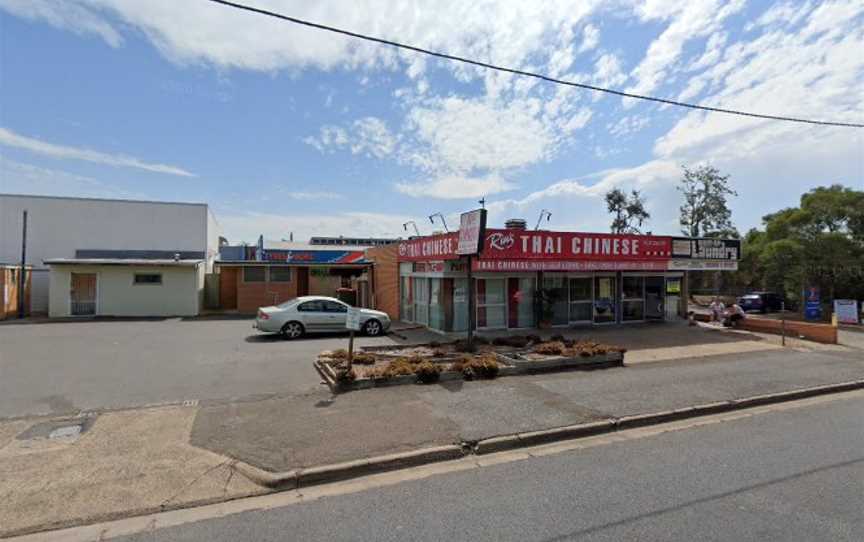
(717, 309)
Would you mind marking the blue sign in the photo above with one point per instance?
(812, 303)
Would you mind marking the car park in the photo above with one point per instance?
(761, 301)
(316, 314)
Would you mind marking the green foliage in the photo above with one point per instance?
(629, 211)
(821, 243)
(705, 211)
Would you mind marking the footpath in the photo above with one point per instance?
(106, 465)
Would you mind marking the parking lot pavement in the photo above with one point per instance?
(59, 367)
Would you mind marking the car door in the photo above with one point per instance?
(313, 315)
(337, 312)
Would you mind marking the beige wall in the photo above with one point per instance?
(180, 293)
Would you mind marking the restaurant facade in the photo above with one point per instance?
(526, 279)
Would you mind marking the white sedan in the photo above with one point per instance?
(316, 314)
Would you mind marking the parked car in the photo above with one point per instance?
(761, 301)
(316, 314)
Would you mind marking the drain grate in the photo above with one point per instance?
(64, 429)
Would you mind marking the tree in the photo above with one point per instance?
(705, 211)
(629, 211)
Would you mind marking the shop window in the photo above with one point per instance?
(520, 294)
(555, 300)
(581, 299)
(436, 309)
(460, 304)
(254, 273)
(148, 278)
(280, 274)
(491, 303)
(407, 300)
(633, 307)
(605, 299)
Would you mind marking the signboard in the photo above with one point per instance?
(472, 226)
(433, 247)
(706, 249)
(702, 265)
(352, 320)
(846, 311)
(544, 245)
(315, 256)
(567, 265)
(812, 303)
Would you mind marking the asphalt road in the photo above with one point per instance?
(790, 474)
(59, 367)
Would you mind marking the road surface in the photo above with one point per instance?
(792, 473)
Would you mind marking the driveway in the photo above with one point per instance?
(58, 367)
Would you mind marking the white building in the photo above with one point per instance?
(108, 232)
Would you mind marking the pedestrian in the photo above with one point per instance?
(734, 316)
(717, 309)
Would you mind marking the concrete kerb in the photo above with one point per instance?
(353, 469)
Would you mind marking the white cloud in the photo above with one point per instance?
(22, 178)
(689, 20)
(455, 186)
(67, 15)
(628, 125)
(368, 136)
(590, 38)
(608, 72)
(11, 139)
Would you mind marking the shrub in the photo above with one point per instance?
(554, 348)
(482, 366)
(398, 367)
(338, 354)
(427, 372)
(364, 358)
(534, 339)
(462, 346)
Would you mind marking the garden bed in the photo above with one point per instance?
(435, 362)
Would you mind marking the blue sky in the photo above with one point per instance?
(285, 129)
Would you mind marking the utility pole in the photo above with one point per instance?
(22, 277)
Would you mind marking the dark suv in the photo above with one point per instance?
(761, 301)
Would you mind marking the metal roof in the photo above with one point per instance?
(123, 261)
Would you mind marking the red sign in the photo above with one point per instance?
(525, 245)
(568, 265)
(545, 245)
(434, 247)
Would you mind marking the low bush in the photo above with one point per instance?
(482, 366)
(338, 354)
(439, 353)
(462, 346)
(427, 372)
(552, 348)
(534, 339)
(346, 377)
(364, 358)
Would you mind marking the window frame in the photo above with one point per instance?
(281, 268)
(261, 267)
(136, 274)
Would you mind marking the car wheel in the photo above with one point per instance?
(373, 328)
(292, 330)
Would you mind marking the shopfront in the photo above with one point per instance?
(528, 279)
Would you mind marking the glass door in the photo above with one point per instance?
(605, 299)
(654, 296)
(520, 296)
(491, 303)
(555, 300)
(633, 303)
(581, 299)
(421, 301)
(460, 304)
(407, 300)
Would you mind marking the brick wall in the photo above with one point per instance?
(821, 333)
(385, 284)
(246, 297)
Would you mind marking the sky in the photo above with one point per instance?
(284, 129)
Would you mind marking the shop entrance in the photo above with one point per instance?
(654, 298)
(605, 299)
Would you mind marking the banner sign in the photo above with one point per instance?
(702, 265)
(812, 303)
(567, 265)
(846, 311)
(315, 256)
(706, 249)
(544, 245)
(433, 247)
(472, 227)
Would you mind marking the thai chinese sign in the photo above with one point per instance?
(541, 245)
(567, 265)
(433, 247)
